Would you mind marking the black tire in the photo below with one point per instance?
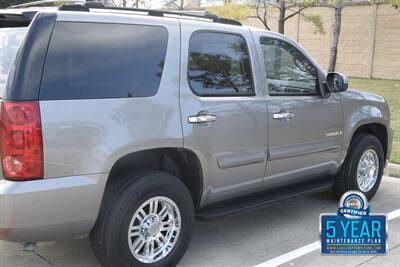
(109, 236)
(347, 178)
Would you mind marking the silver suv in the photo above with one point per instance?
(126, 124)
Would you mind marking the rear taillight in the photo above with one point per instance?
(21, 147)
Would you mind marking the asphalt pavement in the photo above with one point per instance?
(259, 237)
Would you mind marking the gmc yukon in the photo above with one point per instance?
(127, 124)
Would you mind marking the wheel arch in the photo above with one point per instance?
(379, 130)
(180, 162)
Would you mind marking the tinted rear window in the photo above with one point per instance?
(99, 60)
(10, 40)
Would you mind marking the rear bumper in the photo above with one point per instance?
(50, 209)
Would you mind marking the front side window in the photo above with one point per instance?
(104, 60)
(288, 71)
(219, 64)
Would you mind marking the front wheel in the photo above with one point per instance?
(148, 222)
(363, 167)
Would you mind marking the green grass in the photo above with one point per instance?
(390, 89)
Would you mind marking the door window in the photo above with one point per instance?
(288, 71)
(219, 64)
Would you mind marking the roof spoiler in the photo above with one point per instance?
(13, 19)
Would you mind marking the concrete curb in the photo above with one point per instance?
(393, 170)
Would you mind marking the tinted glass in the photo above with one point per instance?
(288, 71)
(98, 60)
(219, 64)
(10, 40)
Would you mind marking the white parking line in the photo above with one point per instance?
(291, 255)
(308, 248)
(393, 215)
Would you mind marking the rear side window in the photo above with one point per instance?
(219, 64)
(100, 60)
(10, 40)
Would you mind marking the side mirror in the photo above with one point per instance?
(336, 82)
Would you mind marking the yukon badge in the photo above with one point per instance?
(330, 134)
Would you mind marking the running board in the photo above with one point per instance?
(262, 199)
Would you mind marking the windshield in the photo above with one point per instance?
(10, 39)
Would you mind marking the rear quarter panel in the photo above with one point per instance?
(88, 136)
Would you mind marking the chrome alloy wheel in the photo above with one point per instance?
(154, 229)
(367, 170)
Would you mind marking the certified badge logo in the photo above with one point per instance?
(353, 230)
(353, 205)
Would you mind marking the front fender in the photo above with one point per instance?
(360, 109)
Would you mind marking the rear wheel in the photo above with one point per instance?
(363, 167)
(147, 222)
(154, 229)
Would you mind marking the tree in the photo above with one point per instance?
(263, 6)
(231, 11)
(335, 35)
(174, 4)
(396, 4)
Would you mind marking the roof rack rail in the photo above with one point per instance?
(151, 12)
(47, 3)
